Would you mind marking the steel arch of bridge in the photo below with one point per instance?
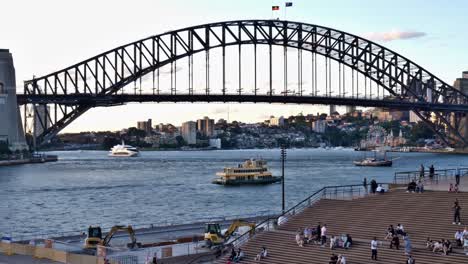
(97, 81)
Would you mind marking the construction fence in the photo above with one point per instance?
(49, 253)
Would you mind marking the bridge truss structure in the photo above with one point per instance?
(342, 69)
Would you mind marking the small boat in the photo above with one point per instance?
(371, 162)
(252, 171)
(375, 161)
(124, 151)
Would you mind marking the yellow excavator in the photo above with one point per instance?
(214, 235)
(94, 237)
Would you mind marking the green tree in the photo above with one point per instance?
(421, 131)
(4, 149)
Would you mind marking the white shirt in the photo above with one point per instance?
(379, 189)
(458, 235)
(324, 231)
(373, 244)
(400, 227)
(343, 260)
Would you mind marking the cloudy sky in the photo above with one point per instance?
(48, 35)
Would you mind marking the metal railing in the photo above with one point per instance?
(344, 192)
(406, 177)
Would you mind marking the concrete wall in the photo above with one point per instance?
(10, 123)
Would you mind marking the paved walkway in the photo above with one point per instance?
(20, 259)
(444, 185)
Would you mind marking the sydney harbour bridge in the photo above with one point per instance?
(257, 61)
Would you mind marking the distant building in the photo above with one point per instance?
(350, 109)
(277, 121)
(205, 126)
(41, 119)
(215, 143)
(146, 126)
(189, 132)
(319, 126)
(461, 84)
(413, 117)
(393, 115)
(332, 109)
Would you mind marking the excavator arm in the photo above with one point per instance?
(236, 224)
(114, 230)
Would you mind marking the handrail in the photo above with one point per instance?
(404, 177)
(307, 202)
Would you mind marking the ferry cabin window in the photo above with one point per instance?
(2, 88)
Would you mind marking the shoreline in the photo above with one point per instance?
(33, 160)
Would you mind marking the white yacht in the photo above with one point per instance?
(124, 151)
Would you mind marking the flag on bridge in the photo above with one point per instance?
(288, 4)
(275, 8)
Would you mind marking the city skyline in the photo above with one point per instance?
(402, 30)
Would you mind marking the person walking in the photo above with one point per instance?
(456, 213)
(421, 171)
(373, 185)
(431, 172)
(408, 246)
(374, 248)
(457, 179)
(364, 184)
(324, 235)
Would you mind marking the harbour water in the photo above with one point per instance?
(172, 187)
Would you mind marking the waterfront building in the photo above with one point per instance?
(11, 130)
(189, 132)
(205, 126)
(277, 121)
(146, 126)
(319, 126)
(392, 115)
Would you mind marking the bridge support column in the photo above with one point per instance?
(11, 129)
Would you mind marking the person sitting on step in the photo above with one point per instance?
(333, 259)
(333, 242)
(299, 239)
(447, 246)
(348, 242)
(390, 232)
(263, 254)
(240, 255)
(459, 238)
(341, 259)
(429, 244)
(395, 242)
(400, 230)
(438, 247)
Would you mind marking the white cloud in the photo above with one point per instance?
(394, 35)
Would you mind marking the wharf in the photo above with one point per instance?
(34, 159)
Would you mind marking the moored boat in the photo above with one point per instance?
(252, 171)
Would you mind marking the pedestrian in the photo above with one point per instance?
(374, 248)
(373, 185)
(319, 232)
(421, 171)
(457, 179)
(324, 235)
(456, 213)
(364, 183)
(431, 172)
(408, 246)
(410, 260)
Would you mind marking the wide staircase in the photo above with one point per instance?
(423, 215)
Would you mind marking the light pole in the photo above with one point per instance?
(283, 158)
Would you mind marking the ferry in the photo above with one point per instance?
(124, 151)
(252, 171)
